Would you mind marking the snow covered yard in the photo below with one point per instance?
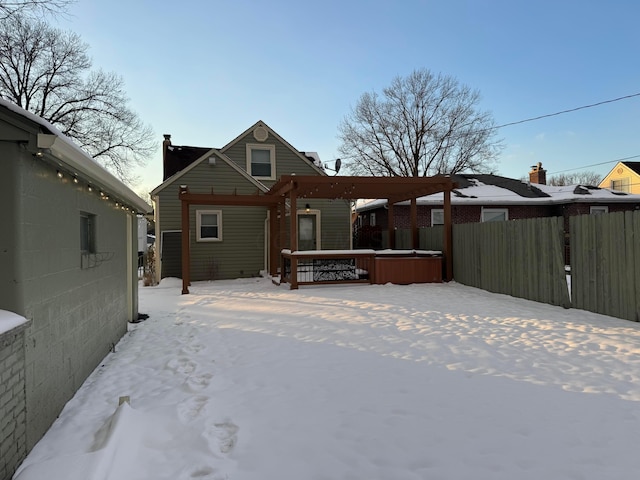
(245, 380)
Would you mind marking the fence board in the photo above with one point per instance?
(605, 251)
(521, 258)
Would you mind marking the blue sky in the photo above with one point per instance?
(204, 71)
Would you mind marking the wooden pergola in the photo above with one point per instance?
(290, 188)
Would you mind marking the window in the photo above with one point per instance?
(209, 225)
(261, 161)
(595, 210)
(87, 232)
(437, 216)
(621, 185)
(372, 219)
(494, 214)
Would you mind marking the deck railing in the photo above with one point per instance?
(327, 267)
(313, 267)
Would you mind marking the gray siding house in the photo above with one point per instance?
(231, 241)
(68, 258)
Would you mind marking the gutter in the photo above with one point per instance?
(78, 163)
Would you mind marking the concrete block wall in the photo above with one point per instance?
(13, 428)
(78, 312)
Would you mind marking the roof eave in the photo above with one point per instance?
(77, 162)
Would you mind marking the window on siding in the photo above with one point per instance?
(597, 209)
(437, 216)
(494, 214)
(261, 161)
(208, 225)
(87, 232)
(621, 184)
(372, 219)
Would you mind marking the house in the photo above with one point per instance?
(228, 240)
(487, 198)
(68, 256)
(624, 177)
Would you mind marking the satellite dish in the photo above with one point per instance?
(338, 163)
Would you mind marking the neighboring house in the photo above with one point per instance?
(624, 177)
(231, 241)
(487, 198)
(68, 256)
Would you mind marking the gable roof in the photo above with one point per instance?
(66, 155)
(635, 166)
(485, 189)
(205, 156)
(302, 155)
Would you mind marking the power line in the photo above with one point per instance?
(566, 111)
(596, 164)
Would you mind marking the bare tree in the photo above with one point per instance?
(423, 124)
(579, 178)
(33, 7)
(48, 72)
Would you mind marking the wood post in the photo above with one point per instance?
(447, 240)
(185, 241)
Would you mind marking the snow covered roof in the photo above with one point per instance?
(493, 189)
(72, 158)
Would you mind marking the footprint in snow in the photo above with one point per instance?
(225, 435)
(199, 382)
(191, 408)
(181, 365)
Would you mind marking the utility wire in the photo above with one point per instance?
(567, 111)
(596, 164)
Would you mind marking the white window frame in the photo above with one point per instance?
(199, 214)
(494, 211)
(596, 209)
(272, 159)
(372, 219)
(437, 212)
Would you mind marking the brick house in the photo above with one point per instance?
(487, 198)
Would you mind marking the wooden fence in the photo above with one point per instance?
(605, 264)
(522, 258)
(526, 259)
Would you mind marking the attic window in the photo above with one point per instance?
(261, 161)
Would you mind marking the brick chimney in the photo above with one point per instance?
(166, 143)
(538, 174)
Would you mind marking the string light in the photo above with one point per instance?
(90, 188)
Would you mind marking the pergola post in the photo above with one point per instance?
(185, 240)
(448, 237)
(293, 229)
(273, 240)
(415, 238)
(391, 226)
